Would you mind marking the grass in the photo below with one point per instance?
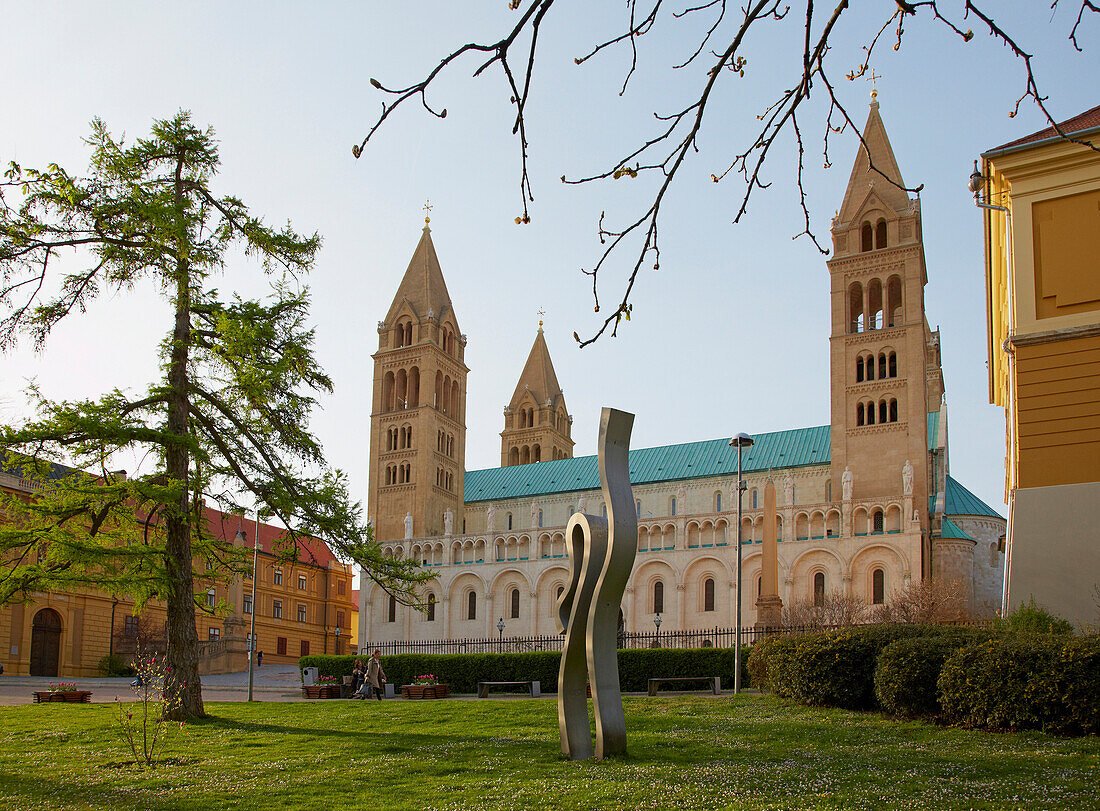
(685, 753)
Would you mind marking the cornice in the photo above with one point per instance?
(879, 428)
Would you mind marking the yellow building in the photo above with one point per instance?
(1041, 200)
(299, 606)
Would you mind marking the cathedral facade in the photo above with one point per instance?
(866, 504)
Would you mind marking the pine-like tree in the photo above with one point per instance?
(226, 422)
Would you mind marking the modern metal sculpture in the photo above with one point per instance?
(601, 556)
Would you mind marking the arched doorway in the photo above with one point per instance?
(45, 643)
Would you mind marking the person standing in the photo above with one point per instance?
(259, 659)
(376, 676)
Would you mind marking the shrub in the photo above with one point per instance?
(1025, 681)
(829, 669)
(908, 669)
(1033, 618)
(114, 665)
(464, 670)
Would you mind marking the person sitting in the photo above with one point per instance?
(358, 676)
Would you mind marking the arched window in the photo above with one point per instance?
(878, 587)
(876, 522)
(893, 301)
(859, 369)
(513, 598)
(672, 506)
(828, 489)
(866, 237)
(874, 305)
(870, 413)
(883, 411)
(893, 411)
(430, 617)
(819, 589)
(870, 365)
(558, 592)
(509, 520)
(859, 418)
(658, 597)
(718, 502)
(755, 505)
(893, 365)
(708, 594)
(391, 613)
(855, 307)
(471, 606)
(540, 519)
(880, 234)
(387, 392)
(882, 366)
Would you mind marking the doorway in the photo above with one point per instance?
(45, 643)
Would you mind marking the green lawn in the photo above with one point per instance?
(685, 753)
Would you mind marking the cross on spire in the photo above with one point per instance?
(427, 211)
(871, 79)
(541, 313)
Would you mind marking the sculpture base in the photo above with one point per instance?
(769, 611)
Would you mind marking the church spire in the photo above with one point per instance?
(536, 421)
(422, 286)
(875, 150)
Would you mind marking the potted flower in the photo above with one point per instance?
(326, 687)
(63, 691)
(426, 686)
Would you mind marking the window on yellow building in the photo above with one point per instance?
(340, 587)
(215, 634)
(278, 577)
(280, 645)
(277, 609)
(339, 619)
(302, 582)
(211, 600)
(301, 613)
(248, 604)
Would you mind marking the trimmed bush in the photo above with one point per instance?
(464, 670)
(1025, 682)
(907, 672)
(834, 669)
(114, 665)
(1033, 618)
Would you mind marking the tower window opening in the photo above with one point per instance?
(860, 420)
(883, 411)
(859, 369)
(866, 238)
(893, 365)
(870, 366)
(880, 235)
(870, 414)
(882, 366)
(893, 411)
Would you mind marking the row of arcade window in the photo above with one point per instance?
(399, 474)
(399, 438)
(867, 308)
(872, 238)
(403, 336)
(878, 588)
(444, 479)
(887, 412)
(866, 368)
(659, 596)
(445, 443)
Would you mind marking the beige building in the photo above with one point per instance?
(299, 605)
(866, 504)
(1041, 201)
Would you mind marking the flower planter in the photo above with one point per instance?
(426, 691)
(322, 691)
(67, 697)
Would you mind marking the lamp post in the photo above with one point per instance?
(500, 629)
(740, 442)
(337, 632)
(252, 624)
(657, 625)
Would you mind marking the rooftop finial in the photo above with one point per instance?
(541, 313)
(871, 79)
(427, 211)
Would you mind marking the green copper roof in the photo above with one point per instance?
(713, 457)
(949, 529)
(960, 501)
(933, 427)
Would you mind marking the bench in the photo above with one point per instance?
(533, 687)
(713, 682)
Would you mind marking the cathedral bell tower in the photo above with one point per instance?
(418, 431)
(885, 373)
(537, 426)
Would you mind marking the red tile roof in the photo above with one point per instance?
(1090, 119)
(225, 526)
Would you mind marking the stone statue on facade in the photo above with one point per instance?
(846, 483)
(788, 491)
(490, 518)
(408, 525)
(448, 522)
(601, 556)
(907, 478)
(534, 514)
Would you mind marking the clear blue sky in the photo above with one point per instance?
(730, 335)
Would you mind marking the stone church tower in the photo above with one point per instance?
(886, 376)
(418, 430)
(537, 426)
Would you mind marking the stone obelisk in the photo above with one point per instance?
(769, 607)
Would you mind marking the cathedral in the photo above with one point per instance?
(865, 505)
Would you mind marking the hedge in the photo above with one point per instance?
(907, 672)
(834, 668)
(464, 670)
(1025, 681)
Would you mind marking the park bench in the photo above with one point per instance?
(713, 682)
(533, 687)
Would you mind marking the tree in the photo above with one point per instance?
(226, 422)
(720, 57)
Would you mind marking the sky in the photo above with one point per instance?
(730, 335)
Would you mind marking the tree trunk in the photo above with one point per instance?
(182, 637)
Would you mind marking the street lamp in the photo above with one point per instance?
(252, 625)
(741, 441)
(337, 632)
(657, 625)
(500, 629)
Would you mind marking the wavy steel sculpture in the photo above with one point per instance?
(601, 556)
